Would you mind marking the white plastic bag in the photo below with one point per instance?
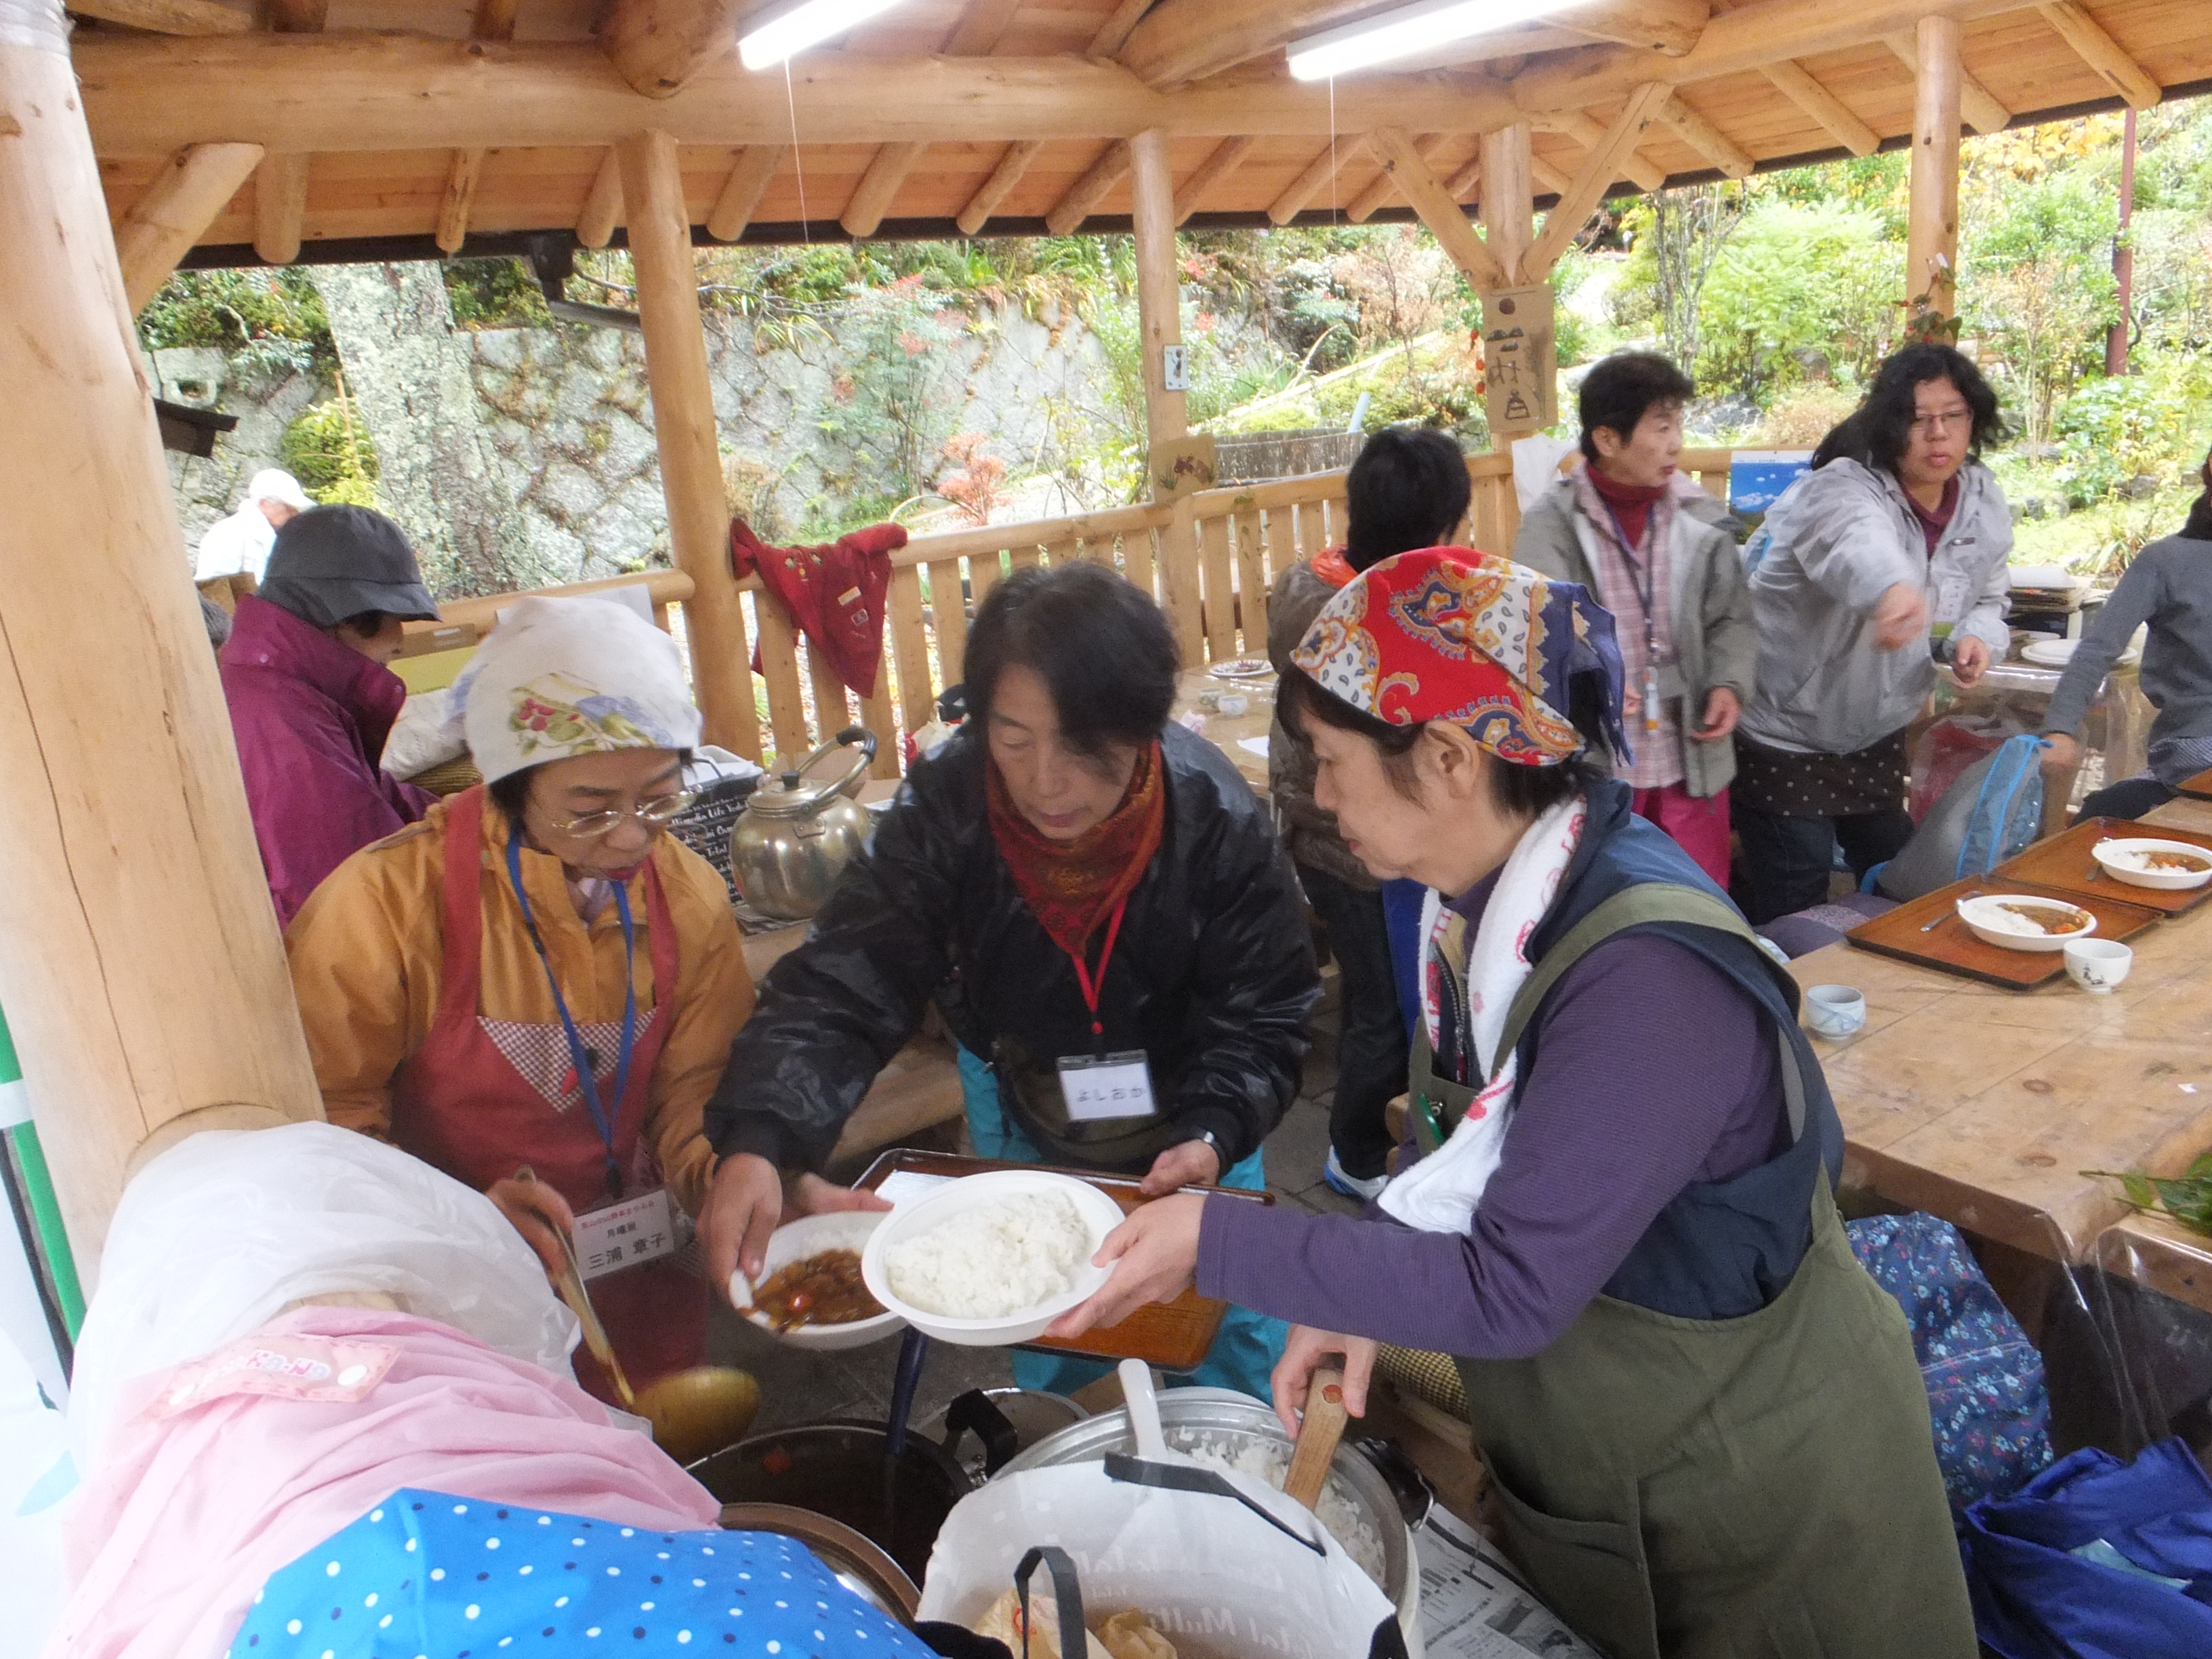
(425, 735)
(1215, 1578)
(219, 1233)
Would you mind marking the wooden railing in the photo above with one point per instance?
(1209, 561)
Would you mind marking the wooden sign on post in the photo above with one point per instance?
(1520, 361)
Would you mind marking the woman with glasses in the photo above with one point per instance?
(534, 977)
(1885, 559)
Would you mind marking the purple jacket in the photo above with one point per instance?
(311, 716)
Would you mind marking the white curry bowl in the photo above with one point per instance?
(1100, 1214)
(2125, 857)
(1993, 925)
(811, 1235)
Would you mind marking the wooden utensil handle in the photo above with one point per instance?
(1318, 1433)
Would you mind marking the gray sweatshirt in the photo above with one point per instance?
(2169, 586)
(1841, 537)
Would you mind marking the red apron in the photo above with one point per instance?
(482, 1097)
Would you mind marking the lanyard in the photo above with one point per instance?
(580, 1056)
(1642, 580)
(1092, 986)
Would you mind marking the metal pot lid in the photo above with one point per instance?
(858, 1564)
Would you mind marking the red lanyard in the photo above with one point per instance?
(1092, 987)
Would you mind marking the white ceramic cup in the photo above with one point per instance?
(1835, 1011)
(2098, 964)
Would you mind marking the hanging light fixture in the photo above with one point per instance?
(1409, 30)
(807, 24)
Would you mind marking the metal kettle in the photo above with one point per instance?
(795, 837)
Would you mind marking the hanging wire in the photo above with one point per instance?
(798, 160)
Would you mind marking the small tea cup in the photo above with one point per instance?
(2098, 964)
(1835, 1012)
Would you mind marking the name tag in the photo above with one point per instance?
(1107, 1086)
(641, 1229)
(1951, 598)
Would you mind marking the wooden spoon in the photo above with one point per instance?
(570, 1285)
(1319, 1429)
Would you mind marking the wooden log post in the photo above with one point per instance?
(1931, 256)
(1509, 197)
(1159, 284)
(684, 430)
(144, 976)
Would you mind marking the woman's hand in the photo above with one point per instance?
(748, 1200)
(1970, 659)
(1156, 1250)
(1305, 1351)
(535, 1209)
(1723, 709)
(2061, 754)
(1187, 1164)
(1901, 616)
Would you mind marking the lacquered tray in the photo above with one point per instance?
(1950, 946)
(2063, 861)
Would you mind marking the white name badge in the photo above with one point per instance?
(1107, 1086)
(641, 1229)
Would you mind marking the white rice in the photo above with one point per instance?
(997, 1260)
(1270, 1461)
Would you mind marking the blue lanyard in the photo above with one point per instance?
(580, 1056)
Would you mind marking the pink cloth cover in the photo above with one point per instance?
(171, 1539)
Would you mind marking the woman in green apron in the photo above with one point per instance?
(1704, 1422)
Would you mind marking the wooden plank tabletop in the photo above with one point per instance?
(1228, 733)
(1982, 1106)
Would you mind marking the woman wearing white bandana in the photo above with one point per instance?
(1704, 1421)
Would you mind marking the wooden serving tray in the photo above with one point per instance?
(1951, 947)
(2063, 862)
(2200, 786)
(1173, 1336)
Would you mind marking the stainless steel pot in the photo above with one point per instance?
(1218, 1421)
(1032, 1415)
(796, 836)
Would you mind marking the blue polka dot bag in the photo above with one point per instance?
(443, 1577)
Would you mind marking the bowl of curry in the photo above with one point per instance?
(809, 1293)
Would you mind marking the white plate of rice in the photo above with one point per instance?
(991, 1259)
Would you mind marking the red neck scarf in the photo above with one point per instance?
(1073, 886)
(1630, 503)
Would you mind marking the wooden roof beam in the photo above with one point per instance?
(1012, 164)
(174, 211)
(1708, 140)
(279, 206)
(1180, 41)
(982, 25)
(459, 200)
(1111, 168)
(872, 197)
(742, 191)
(1461, 186)
(1383, 187)
(1580, 199)
(1336, 155)
(1438, 208)
(657, 45)
(1977, 104)
(1225, 159)
(1114, 33)
(298, 16)
(169, 16)
(1670, 27)
(1585, 131)
(1825, 110)
(603, 202)
(2102, 53)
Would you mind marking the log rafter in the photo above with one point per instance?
(1340, 152)
(169, 16)
(1580, 196)
(1383, 188)
(742, 190)
(1826, 111)
(603, 203)
(1708, 140)
(1438, 208)
(977, 35)
(1013, 161)
(2096, 48)
(173, 212)
(1982, 109)
(1588, 132)
(1081, 198)
(1671, 27)
(1225, 159)
(279, 206)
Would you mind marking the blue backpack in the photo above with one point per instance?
(1992, 811)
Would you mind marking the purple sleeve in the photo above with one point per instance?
(1654, 1071)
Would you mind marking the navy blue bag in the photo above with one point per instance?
(1986, 1399)
(2095, 1559)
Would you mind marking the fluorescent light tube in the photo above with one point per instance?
(808, 24)
(1411, 29)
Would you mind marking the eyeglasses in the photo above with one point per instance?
(657, 814)
(1943, 420)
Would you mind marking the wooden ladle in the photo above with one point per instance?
(1319, 1430)
(570, 1285)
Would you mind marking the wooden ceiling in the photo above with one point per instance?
(421, 125)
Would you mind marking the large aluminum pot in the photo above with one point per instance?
(1223, 1424)
(796, 836)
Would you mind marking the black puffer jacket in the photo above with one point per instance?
(1212, 976)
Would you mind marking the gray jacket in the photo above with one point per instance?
(2169, 586)
(1841, 537)
(1714, 645)
(1309, 831)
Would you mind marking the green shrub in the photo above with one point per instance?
(1798, 279)
(332, 458)
(2114, 430)
(495, 294)
(234, 310)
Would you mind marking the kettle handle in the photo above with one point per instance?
(851, 735)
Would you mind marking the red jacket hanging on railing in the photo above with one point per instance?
(834, 593)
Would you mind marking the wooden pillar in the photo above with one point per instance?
(140, 963)
(1931, 256)
(1159, 283)
(683, 428)
(1509, 197)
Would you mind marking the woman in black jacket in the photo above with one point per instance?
(1073, 879)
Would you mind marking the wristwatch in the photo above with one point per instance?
(1211, 1141)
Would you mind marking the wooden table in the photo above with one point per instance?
(1228, 733)
(1984, 1106)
